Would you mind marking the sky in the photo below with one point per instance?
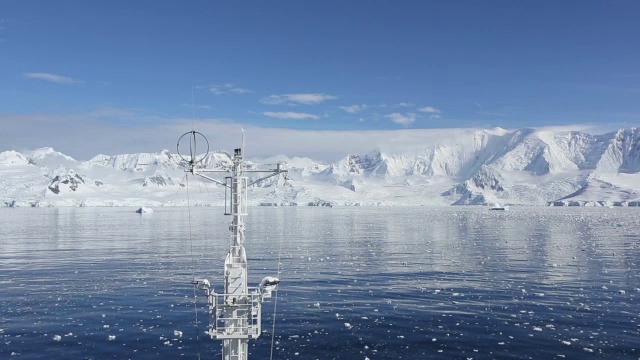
(89, 77)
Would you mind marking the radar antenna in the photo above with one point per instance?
(235, 314)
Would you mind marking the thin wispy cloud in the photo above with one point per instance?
(304, 99)
(429, 110)
(397, 105)
(224, 89)
(402, 119)
(58, 79)
(434, 114)
(290, 115)
(352, 109)
(203, 107)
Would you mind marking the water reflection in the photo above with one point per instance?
(383, 283)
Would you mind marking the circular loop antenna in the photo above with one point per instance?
(192, 147)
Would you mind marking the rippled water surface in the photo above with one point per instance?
(357, 283)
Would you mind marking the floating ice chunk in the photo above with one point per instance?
(537, 328)
(348, 326)
(57, 337)
(566, 342)
(316, 304)
(111, 337)
(622, 292)
(177, 333)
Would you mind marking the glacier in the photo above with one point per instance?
(444, 167)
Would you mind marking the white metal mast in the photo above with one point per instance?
(235, 314)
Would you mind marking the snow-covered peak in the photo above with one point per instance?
(11, 158)
(47, 157)
(135, 162)
(48, 152)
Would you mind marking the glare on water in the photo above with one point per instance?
(357, 283)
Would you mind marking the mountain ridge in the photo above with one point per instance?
(468, 167)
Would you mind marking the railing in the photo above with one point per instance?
(234, 316)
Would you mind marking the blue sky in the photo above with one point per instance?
(316, 65)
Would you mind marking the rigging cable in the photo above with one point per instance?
(275, 303)
(193, 271)
(192, 146)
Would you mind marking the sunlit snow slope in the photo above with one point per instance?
(436, 167)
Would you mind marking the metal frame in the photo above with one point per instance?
(235, 315)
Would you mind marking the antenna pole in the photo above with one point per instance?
(236, 304)
(235, 315)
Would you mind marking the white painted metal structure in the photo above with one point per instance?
(235, 314)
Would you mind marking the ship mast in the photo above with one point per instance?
(235, 314)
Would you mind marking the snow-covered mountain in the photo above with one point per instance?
(465, 166)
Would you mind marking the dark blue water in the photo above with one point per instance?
(358, 283)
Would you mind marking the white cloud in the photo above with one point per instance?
(290, 115)
(305, 99)
(352, 109)
(240, 91)
(401, 119)
(225, 89)
(59, 79)
(405, 104)
(94, 134)
(430, 110)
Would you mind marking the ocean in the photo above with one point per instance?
(357, 282)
